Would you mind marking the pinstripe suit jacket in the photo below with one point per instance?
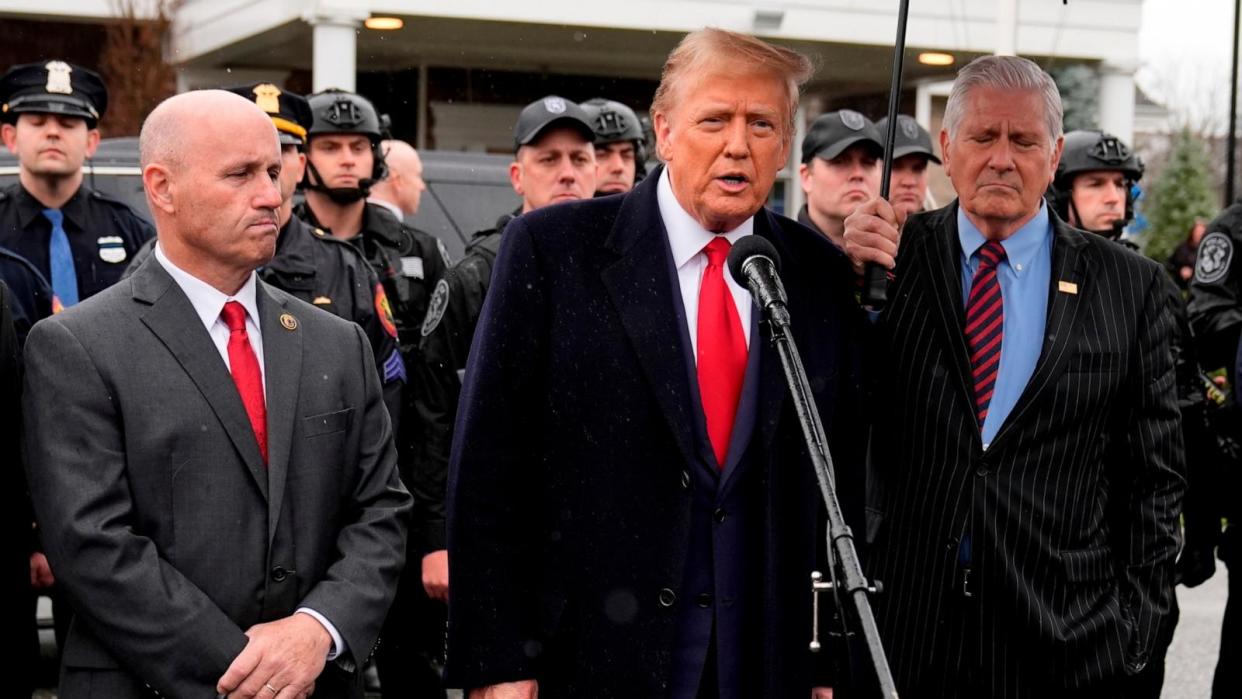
(1073, 508)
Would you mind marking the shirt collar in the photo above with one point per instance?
(207, 300)
(686, 236)
(1020, 247)
(393, 208)
(29, 208)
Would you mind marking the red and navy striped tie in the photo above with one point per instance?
(985, 325)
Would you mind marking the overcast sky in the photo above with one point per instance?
(1185, 50)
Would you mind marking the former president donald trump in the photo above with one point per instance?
(210, 458)
(630, 510)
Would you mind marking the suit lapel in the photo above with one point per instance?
(1071, 264)
(638, 284)
(173, 320)
(282, 363)
(946, 293)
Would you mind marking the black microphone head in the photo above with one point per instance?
(747, 247)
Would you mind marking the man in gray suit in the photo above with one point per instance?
(210, 459)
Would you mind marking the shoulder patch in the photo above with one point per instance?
(436, 307)
(1215, 255)
(383, 310)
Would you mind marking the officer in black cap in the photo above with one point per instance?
(79, 239)
(554, 161)
(840, 170)
(912, 151)
(309, 263)
(620, 146)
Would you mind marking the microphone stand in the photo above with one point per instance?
(839, 537)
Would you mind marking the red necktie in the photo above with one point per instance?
(245, 367)
(721, 350)
(985, 325)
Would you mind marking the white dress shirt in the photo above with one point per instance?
(208, 302)
(687, 238)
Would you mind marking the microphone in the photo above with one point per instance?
(754, 262)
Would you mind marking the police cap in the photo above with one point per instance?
(289, 112)
(911, 138)
(537, 116)
(54, 87)
(832, 133)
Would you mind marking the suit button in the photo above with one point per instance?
(982, 471)
(719, 514)
(279, 574)
(685, 480)
(703, 599)
(667, 597)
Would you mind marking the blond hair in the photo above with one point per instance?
(713, 47)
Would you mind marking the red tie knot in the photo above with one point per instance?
(992, 253)
(234, 315)
(717, 251)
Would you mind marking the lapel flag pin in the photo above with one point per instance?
(1067, 287)
(291, 323)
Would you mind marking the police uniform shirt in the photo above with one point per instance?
(103, 234)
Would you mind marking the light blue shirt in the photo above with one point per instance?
(1024, 276)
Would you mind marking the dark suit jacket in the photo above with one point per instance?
(589, 529)
(163, 525)
(1073, 508)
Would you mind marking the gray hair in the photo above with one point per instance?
(1005, 73)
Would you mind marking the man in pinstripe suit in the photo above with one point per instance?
(1030, 475)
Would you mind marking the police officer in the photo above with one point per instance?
(1094, 185)
(840, 170)
(1093, 190)
(1216, 317)
(620, 146)
(79, 239)
(343, 160)
(554, 162)
(912, 151)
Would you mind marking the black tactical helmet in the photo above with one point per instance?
(614, 122)
(339, 112)
(1087, 151)
(1096, 150)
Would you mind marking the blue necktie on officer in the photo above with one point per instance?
(60, 260)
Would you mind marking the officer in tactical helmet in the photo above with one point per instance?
(620, 146)
(343, 160)
(1093, 187)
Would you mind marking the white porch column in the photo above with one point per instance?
(335, 39)
(1117, 100)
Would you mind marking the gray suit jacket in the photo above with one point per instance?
(161, 522)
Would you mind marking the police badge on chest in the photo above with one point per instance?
(112, 249)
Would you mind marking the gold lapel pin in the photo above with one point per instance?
(1067, 287)
(291, 323)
